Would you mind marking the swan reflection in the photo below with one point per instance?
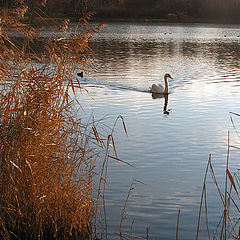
(165, 96)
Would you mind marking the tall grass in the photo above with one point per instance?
(46, 159)
(228, 226)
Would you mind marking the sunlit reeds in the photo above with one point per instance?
(47, 161)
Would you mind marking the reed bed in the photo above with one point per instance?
(228, 226)
(47, 159)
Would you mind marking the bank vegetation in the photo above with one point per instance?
(47, 153)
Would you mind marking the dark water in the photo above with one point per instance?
(169, 149)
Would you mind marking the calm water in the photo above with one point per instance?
(170, 151)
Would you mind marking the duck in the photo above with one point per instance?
(80, 74)
(159, 88)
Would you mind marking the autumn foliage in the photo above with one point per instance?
(46, 159)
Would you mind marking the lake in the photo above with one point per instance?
(169, 140)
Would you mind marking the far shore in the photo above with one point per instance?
(186, 20)
(167, 20)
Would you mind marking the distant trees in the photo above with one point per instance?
(159, 8)
(185, 7)
(132, 8)
(140, 3)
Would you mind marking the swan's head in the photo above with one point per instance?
(167, 75)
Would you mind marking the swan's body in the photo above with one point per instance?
(159, 88)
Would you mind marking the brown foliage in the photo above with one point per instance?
(46, 175)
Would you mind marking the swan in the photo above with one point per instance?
(158, 88)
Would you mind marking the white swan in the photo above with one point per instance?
(158, 88)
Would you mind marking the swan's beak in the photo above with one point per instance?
(170, 77)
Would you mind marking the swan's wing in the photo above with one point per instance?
(157, 88)
(161, 88)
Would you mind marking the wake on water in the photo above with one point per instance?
(93, 83)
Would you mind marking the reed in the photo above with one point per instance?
(228, 226)
(47, 162)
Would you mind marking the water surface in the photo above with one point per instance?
(169, 140)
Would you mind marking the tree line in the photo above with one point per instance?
(133, 8)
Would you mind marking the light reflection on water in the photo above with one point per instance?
(170, 151)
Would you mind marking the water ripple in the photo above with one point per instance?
(169, 149)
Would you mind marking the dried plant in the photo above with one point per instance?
(228, 225)
(46, 159)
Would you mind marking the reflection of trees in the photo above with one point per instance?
(123, 53)
(142, 48)
(118, 55)
(221, 52)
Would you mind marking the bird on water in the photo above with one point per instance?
(159, 88)
(80, 74)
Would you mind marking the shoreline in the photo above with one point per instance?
(186, 20)
(166, 20)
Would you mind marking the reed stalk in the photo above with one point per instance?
(228, 225)
(47, 162)
(178, 219)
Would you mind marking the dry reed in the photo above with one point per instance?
(47, 163)
(228, 226)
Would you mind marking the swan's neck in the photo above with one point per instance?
(166, 85)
